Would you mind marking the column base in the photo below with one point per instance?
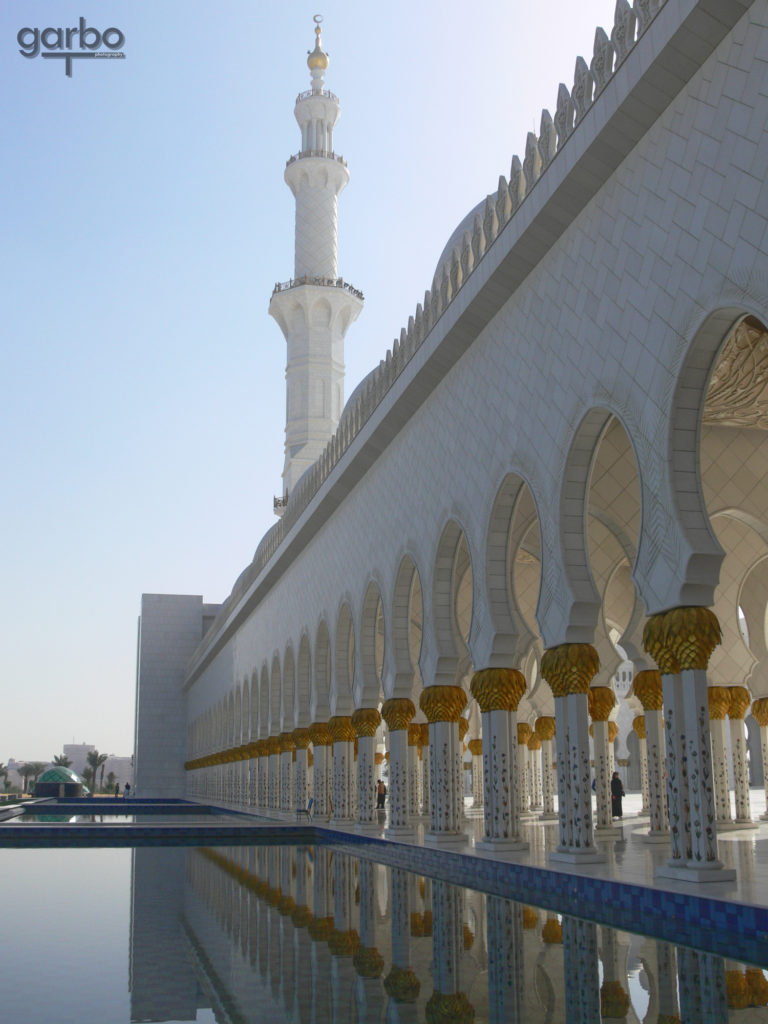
(608, 832)
(367, 826)
(400, 832)
(446, 838)
(566, 856)
(732, 826)
(651, 837)
(687, 872)
(548, 816)
(501, 845)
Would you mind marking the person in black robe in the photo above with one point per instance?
(617, 792)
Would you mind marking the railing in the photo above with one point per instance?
(328, 154)
(323, 282)
(280, 503)
(325, 93)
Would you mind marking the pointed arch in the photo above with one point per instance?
(368, 689)
(321, 678)
(303, 684)
(407, 628)
(343, 663)
(288, 694)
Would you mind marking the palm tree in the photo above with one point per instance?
(24, 770)
(62, 760)
(96, 761)
(36, 769)
(111, 782)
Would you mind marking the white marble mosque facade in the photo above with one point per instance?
(561, 462)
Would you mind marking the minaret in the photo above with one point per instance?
(315, 308)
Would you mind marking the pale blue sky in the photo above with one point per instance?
(144, 223)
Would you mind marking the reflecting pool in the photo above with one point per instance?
(309, 933)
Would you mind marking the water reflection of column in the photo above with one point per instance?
(301, 744)
(719, 699)
(614, 997)
(285, 907)
(302, 947)
(667, 981)
(544, 728)
(505, 960)
(320, 929)
(344, 940)
(447, 1000)
(401, 984)
(368, 962)
(740, 701)
(397, 712)
(343, 735)
(646, 687)
(443, 705)
(701, 984)
(273, 898)
(414, 738)
(287, 790)
(424, 729)
(264, 911)
(581, 974)
(322, 746)
(365, 722)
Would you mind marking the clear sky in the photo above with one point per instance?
(144, 223)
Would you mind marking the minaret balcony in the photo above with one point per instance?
(326, 94)
(327, 154)
(321, 282)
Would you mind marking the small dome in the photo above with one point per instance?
(317, 58)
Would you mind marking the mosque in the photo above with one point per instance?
(534, 541)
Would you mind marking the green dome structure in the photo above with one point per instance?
(60, 781)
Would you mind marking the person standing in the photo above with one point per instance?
(381, 793)
(617, 792)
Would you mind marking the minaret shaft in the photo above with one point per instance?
(316, 307)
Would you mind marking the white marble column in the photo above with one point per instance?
(544, 728)
(719, 698)
(498, 692)
(638, 725)
(760, 715)
(524, 733)
(414, 737)
(534, 764)
(568, 669)
(601, 701)
(681, 641)
(343, 735)
(366, 722)
(646, 686)
(442, 706)
(424, 740)
(301, 741)
(321, 769)
(739, 705)
(476, 750)
(274, 772)
(397, 712)
(287, 786)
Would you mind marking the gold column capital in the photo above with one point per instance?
(476, 747)
(442, 703)
(365, 721)
(402, 985)
(524, 733)
(569, 668)
(320, 734)
(368, 962)
(320, 928)
(498, 689)
(378, 758)
(397, 712)
(614, 1000)
(414, 734)
(638, 724)
(646, 686)
(273, 745)
(285, 739)
(552, 931)
(682, 638)
(740, 701)
(601, 701)
(341, 729)
(343, 943)
(534, 743)
(613, 731)
(719, 700)
(760, 711)
(453, 1007)
(301, 738)
(544, 727)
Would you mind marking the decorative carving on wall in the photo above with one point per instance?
(738, 390)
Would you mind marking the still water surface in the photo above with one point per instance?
(250, 934)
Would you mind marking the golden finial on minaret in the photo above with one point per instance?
(317, 58)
